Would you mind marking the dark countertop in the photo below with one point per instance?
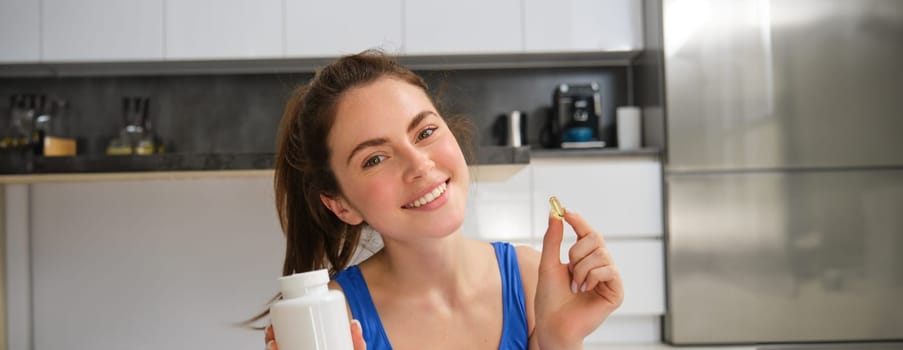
(593, 152)
(135, 163)
(11, 164)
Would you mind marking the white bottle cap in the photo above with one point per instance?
(304, 283)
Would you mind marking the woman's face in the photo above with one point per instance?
(397, 163)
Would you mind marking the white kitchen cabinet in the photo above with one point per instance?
(582, 25)
(462, 27)
(335, 28)
(642, 266)
(620, 197)
(20, 31)
(101, 30)
(641, 263)
(224, 29)
(498, 205)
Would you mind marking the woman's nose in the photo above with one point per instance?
(419, 164)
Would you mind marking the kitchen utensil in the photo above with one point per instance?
(516, 128)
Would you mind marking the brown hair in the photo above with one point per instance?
(315, 237)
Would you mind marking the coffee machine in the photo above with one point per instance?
(574, 120)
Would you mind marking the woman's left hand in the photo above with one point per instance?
(573, 299)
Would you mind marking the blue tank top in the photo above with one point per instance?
(514, 311)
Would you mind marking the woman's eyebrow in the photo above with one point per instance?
(365, 144)
(379, 141)
(418, 118)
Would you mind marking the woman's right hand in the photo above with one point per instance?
(357, 337)
(573, 299)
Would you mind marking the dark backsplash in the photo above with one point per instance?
(240, 113)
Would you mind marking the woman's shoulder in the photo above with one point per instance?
(364, 274)
(527, 258)
(349, 275)
(335, 285)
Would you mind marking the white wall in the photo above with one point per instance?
(151, 264)
(171, 264)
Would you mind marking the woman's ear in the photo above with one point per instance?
(342, 209)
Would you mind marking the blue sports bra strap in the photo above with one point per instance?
(362, 308)
(514, 327)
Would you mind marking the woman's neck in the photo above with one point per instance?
(437, 265)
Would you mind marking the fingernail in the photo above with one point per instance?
(270, 344)
(583, 287)
(573, 287)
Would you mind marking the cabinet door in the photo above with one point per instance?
(498, 205)
(224, 29)
(642, 266)
(102, 30)
(619, 197)
(465, 26)
(20, 32)
(350, 26)
(583, 25)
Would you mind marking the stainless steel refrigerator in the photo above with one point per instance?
(784, 170)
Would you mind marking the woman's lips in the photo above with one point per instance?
(431, 198)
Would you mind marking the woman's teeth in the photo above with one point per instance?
(429, 197)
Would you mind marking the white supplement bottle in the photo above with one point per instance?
(310, 316)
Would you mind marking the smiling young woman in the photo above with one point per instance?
(363, 144)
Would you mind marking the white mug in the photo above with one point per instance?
(629, 127)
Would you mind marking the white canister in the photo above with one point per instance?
(629, 127)
(310, 316)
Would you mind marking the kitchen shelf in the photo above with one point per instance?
(310, 64)
(181, 162)
(132, 176)
(501, 155)
(189, 166)
(593, 152)
(143, 163)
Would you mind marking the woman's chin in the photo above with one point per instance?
(445, 227)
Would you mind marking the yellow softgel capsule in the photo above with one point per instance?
(556, 206)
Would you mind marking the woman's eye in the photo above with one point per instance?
(426, 133)
(373, 161)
